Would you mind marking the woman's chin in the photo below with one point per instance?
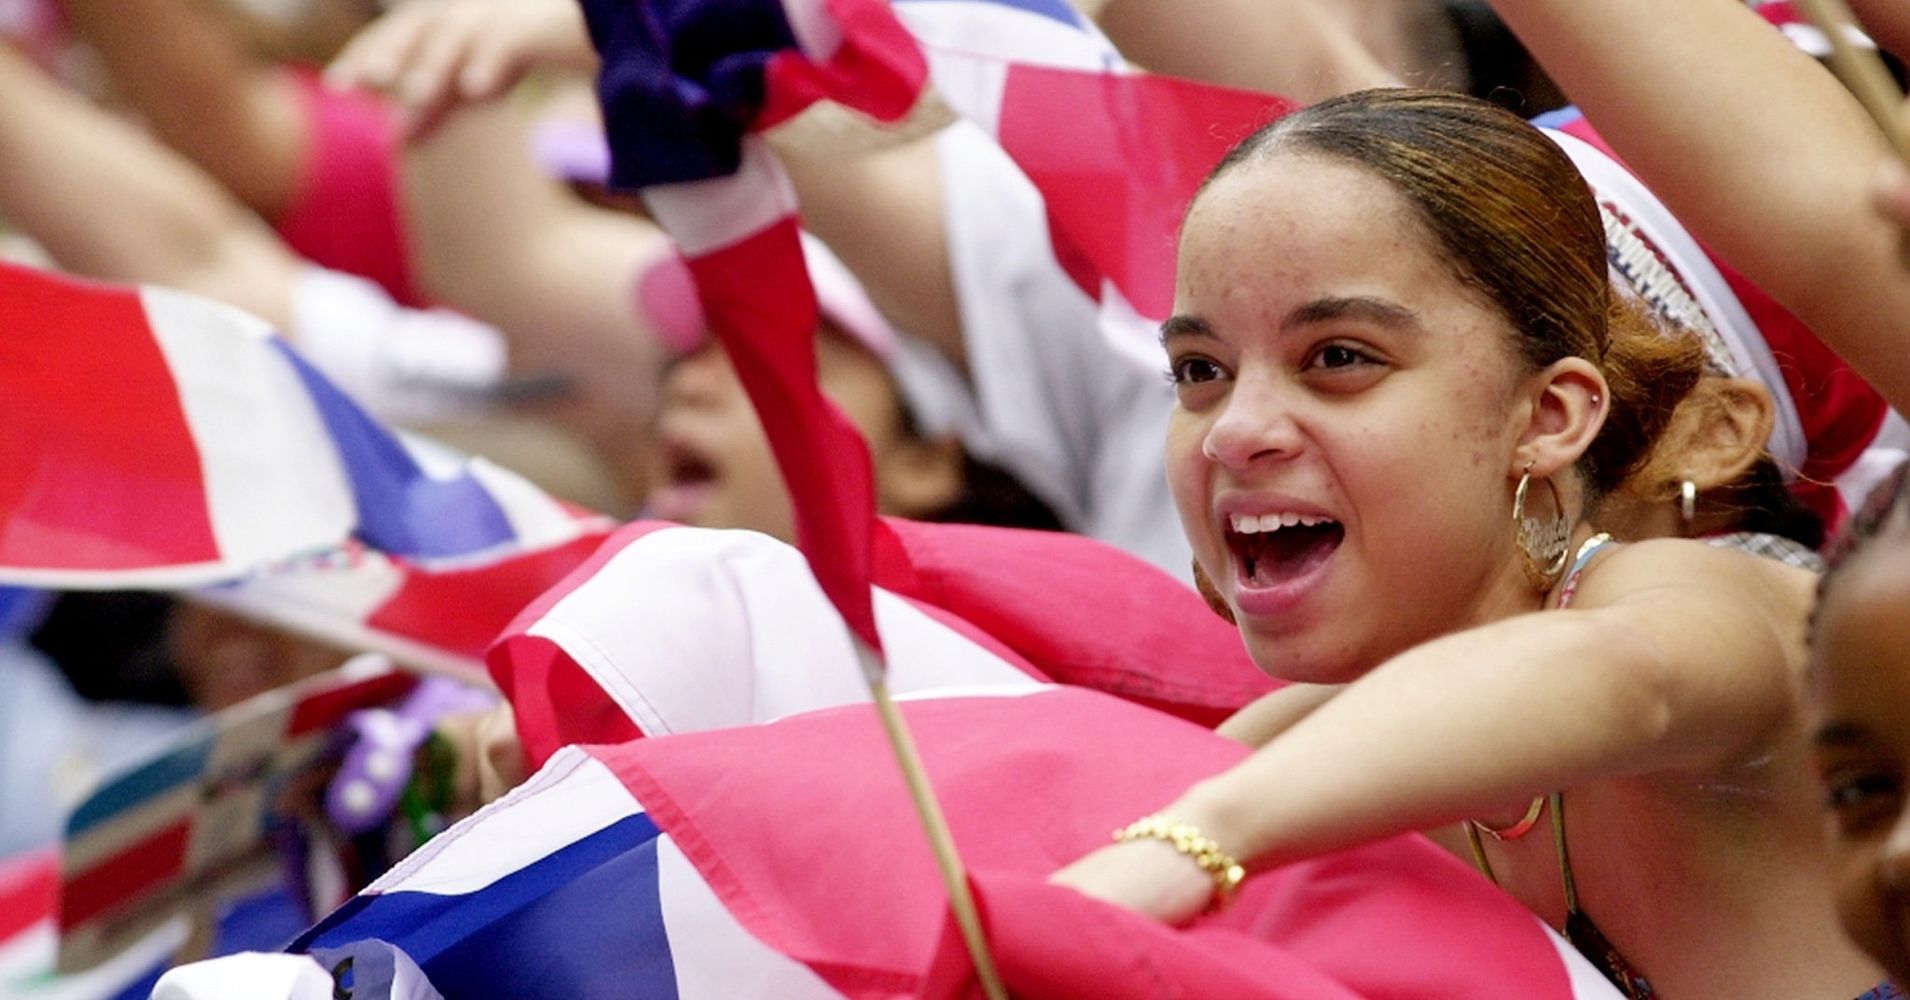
(1297, 658)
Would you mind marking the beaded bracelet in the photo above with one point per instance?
(1198, 847)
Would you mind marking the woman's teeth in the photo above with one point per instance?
(1248, 524)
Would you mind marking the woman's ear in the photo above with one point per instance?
(1568, 402)
(1716, 435)
(1731, 434)
(919, 478)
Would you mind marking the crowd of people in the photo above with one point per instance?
(1544, 455)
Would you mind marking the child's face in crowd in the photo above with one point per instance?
(1861, 701)
(711, 465)
(224, 659)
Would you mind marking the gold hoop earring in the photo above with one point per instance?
(1688, 501)
(1543, 547)
(1211, 594)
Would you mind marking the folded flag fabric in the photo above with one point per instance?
(153, 439)
(702, 866)
(439, 617)
(1117, 155)
(163, 441)
(669, 629)
(730, 628)
(1117, 168)
(1030, 32)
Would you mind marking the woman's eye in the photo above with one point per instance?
(1858, 799)
(1193, 370)
(1339, 356)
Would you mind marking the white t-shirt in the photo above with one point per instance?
(1078, 421)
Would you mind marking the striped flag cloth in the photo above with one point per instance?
(662, 868)
(158, 440)
(108, 911)
(189, 824)
(436, 616)
(29, 941)
(153, 439)
(734, 630)
(1029, 32)
(1117, 157)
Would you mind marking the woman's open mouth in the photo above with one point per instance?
(1273, 553)
(689, 481)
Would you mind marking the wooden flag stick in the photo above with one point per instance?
(1862, 70)
(941, 841)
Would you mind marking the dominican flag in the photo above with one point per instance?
(663, 868)
(1116, 155)
(158, 440)
(189, 828)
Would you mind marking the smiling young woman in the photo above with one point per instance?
(1405, 383)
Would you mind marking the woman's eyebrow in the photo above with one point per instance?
(1378, 311)
(1184, 326)
(1838, 733)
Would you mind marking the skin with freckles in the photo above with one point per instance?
(1297, 343)
(1861, 705)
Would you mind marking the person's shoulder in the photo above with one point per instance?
(1661, 567)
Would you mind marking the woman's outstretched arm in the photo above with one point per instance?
(1672, 659)
(108, 202)
(1302, 49)
(190, 78)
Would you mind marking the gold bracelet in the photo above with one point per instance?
(1198, 847)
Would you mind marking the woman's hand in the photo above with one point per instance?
(431, 57)
(490, 757)
(1147, 876)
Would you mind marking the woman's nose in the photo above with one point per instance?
(700, 377)
(1893, 856)
(1257, 423)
